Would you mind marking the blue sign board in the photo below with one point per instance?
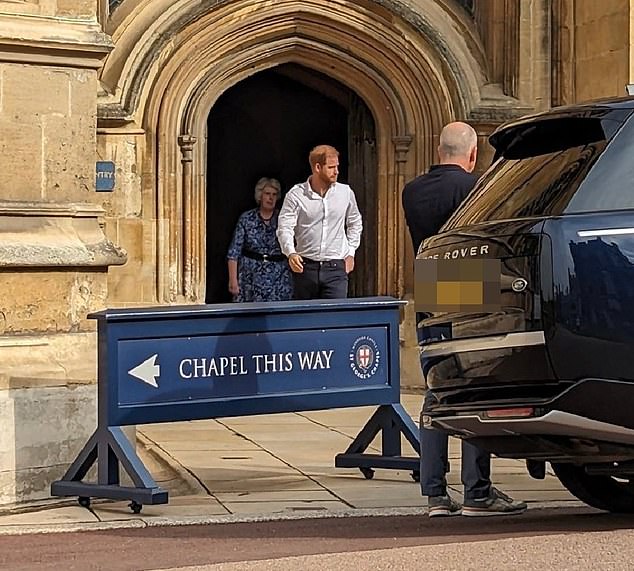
(211, 361)
(195, 362)
(105, 176)
(187, 369)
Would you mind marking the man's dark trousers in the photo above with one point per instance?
(321, 280)
(434, 453)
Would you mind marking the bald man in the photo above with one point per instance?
(429, 200)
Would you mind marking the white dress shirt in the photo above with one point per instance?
(319, 228)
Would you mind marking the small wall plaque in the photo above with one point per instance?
(105, 176)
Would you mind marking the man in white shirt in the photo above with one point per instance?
(319, 229)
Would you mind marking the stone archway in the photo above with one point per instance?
(170, 66)
(265, 126)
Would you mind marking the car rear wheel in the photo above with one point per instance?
(602, 492)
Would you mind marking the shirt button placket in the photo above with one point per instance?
(324, 226)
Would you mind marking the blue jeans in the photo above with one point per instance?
(434, 463)
(434, 453)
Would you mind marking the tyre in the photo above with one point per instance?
(601, 492)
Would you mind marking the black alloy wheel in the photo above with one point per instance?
(601, 492)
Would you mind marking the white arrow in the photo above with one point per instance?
(147, 371)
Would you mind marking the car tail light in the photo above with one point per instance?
(510, 412)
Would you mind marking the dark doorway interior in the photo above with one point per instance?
(266, 126)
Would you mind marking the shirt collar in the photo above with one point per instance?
(312, 194)
(446, 167)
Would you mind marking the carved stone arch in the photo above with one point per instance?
(145, 32)
(168, 87)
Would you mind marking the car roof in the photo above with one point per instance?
(502, 134)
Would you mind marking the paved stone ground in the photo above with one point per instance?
(267, 467)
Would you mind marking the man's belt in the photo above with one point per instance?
(263, 257)
(322, 262)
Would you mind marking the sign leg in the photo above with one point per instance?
(124, 451)
(110, 448)
(391, 421)
(84, 461)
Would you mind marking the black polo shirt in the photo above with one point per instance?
(430, 199)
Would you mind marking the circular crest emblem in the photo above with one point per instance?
(519, 284)
(365, 357)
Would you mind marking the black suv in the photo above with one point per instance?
(547, 374)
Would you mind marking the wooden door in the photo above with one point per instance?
(362, 177)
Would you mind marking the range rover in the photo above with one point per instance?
(547, 373)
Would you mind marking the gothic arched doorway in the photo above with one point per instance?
(265, 126)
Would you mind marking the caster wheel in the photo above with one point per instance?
(368, 473)
(84, 502)
(416, 476)
(135, 507)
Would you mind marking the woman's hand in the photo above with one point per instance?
(234, 285)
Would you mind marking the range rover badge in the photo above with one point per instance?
(519, 284)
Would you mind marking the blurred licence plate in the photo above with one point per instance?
(457, 285)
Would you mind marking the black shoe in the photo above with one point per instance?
(497, 503)
(439, 506)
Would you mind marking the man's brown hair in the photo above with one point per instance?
(320, 154)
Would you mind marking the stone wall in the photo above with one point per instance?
(591, 49)
(45, 131)
(47, 410)
(601, 48)
(54, 255)
(129, 219)
(53, 262)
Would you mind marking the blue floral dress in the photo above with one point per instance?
(259, 280)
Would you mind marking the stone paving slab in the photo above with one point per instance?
(377, 498)
(276, 418)
(286, 506)
(268, 465)
(294, 483)
(70, 514)
(223, 460)
(177, 507)
(237, 464)
(395, 502)
(275, 496)
(538, 496)
(187, 434)
(237, 443)
(383, 479)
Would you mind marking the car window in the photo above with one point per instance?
(610, 183)
(555, 167)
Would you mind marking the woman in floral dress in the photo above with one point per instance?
(258, 271)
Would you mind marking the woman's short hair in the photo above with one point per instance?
(265, 182)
